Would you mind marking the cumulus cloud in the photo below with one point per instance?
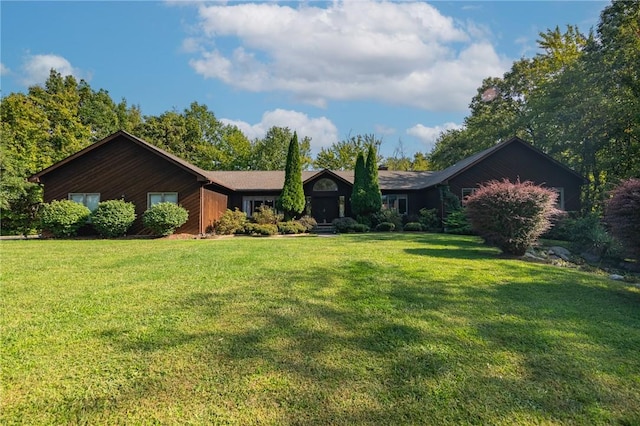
(321, 130)
(396, 52)
(36, 68)
(428, 135)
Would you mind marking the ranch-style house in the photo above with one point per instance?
(122, 166)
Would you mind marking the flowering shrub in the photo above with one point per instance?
(511, 215)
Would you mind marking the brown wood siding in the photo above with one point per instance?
(124, 169)
(516, 161)
(214, 205)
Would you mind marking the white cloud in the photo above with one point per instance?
(4, 70)
(321, 130)
(400, 53)
(429, 135)
(36, 68)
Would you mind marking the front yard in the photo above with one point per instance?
(355, 329)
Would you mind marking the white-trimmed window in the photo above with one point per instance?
(154, 198)
(251, 203)
(396, 202)
(87, 199)
(560, 200)
(468, 191)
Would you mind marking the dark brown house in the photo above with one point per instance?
(123, 166)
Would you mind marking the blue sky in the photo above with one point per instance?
(401, 70)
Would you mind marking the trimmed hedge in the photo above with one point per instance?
(291, 227)
(385, 227)
(164, 218)
(264, 229)
(63, 218)
(413, 227)
(113, 218)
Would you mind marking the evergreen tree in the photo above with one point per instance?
(359, 183)
(292, 199)
(373, 197)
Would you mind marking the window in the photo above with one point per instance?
(251, 203)
(325, 184)
(467, 191)
(154, 198)
(560, 200)
(397, 203)
(90, 200)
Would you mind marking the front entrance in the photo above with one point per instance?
(325, 209)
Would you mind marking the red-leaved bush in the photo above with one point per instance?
(511, 215)
(622, 215)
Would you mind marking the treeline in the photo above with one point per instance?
(578, 100)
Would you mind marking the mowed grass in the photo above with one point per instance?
(356, 329)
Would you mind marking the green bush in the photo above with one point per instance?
(387, 216)
(113, 218)
(511, 215)
(308, 222)
(231, 222)
(360, 228)
(413, 227)
(623, 215)
(429, 220)
(164, 218)
(291, 227)
(264, 229)
(457, 222)
(385, 227)
(63, 218)
(344, 225)
(265, 215)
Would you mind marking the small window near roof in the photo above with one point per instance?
(154, 198)
(467, 191)
(89, 200)
(325, 185)
(560, 200)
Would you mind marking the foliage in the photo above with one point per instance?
(291, 227)
(164, 218)
(359, 228)
(292, 200)
(429, 220)
(413, 227)
(308, 222)
(387, 215)
(623, 215)
(270, 152)
(400, 161)
(63, 218)
(342, 155)
(113, 218)
(264, 229)
(511, 215)
(457, 222)
(586, 232)
(385, 227)
(265, 215)
(231, 222)
(344, 225)
(358, 191)
(373, 200)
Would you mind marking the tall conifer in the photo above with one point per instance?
(358, 193)
(373, 197)
(292, 199)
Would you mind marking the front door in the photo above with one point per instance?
(325, 209)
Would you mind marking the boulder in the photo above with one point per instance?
(561, 252)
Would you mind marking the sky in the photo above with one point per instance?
(404, 71)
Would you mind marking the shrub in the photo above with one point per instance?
(344, 224)
(413, 227)
(622, 214)
(360, 228)
(164, 218)
(458, 223)
(308, 222)
(389, 216)
(429, 220)
(291, 227)
(265, 215)
(113, 218)
(63, 218)
(511, 215)
(265, 229)
(231, 222)
(385, 227)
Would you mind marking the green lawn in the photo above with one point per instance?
(356, 329)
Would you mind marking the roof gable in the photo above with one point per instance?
(199, 173)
